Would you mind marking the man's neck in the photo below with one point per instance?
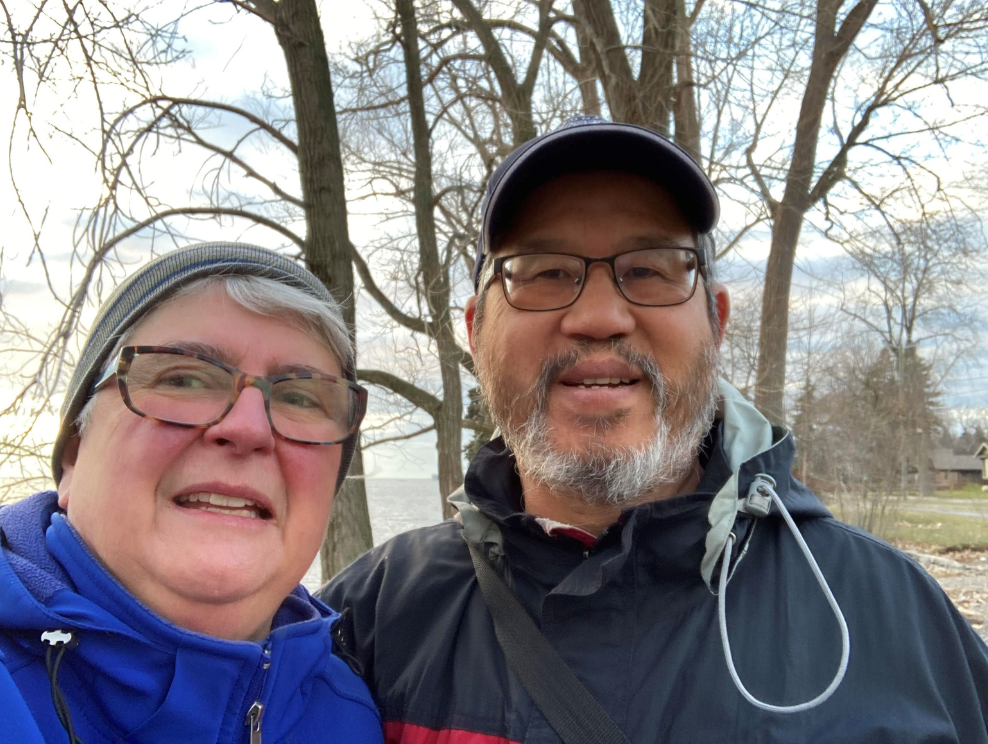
(569, 507)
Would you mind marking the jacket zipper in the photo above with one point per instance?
(256, 710)
(254, 721)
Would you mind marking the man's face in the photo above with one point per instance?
(124, 488)
(539, 368)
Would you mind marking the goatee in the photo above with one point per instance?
(597, 473)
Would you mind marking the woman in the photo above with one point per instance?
(154, 597)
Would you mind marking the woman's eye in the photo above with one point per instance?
(181, 380)
(298, 399)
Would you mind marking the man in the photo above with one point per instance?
(154, 597)
(624, 478)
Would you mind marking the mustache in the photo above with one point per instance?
(554, 367)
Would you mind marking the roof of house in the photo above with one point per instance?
(982, 451)
(945, 459)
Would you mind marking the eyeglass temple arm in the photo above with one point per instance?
(105, 377)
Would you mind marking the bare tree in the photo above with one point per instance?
(865, 104)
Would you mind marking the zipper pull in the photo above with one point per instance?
(254, 721)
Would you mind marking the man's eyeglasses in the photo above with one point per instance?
(181, 387)
(654, 277)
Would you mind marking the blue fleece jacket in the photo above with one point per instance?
(135, 677)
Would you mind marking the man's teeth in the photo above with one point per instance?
(599, 382)
(233, 504)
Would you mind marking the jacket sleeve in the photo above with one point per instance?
(16, 721)
(976, 653)
(354, 594)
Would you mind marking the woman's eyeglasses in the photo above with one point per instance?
(184, 388)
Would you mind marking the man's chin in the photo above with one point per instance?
(597, 443)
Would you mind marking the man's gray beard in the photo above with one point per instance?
(599, 474)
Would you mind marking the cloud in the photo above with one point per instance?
(10, 287)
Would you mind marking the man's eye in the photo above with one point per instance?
(641, 272)
(554, 275)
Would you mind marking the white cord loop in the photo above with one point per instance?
(722, 615)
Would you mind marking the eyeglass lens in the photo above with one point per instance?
(547, 281)
(185, 390)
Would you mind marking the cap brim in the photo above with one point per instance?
(603, 147)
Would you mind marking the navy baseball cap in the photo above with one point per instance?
(590, 143)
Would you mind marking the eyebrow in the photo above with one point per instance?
(197, 347)
(289, 368)
(224, 356)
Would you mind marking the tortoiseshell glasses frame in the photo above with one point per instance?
(239, 380)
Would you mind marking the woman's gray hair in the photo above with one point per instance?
(261, 295)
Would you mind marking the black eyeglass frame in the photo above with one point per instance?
(701, 269)
(241, 381)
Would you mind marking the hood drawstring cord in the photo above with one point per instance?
(58, 642)
(761, 496)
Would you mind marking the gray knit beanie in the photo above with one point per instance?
(152, 284)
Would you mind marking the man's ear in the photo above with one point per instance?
(723, 302)
(469, 314)
(69, 455)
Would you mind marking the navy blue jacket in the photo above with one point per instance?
(636, 619)
(134, 677)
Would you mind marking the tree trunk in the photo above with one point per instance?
(327, 241)
(614, 70)
(830, 45)
(348, 534)
(664, 89)
(654, 93)
(587, 74)
(434, 272)
(684, 108)
(770, 379)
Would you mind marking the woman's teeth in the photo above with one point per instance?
(231, 505)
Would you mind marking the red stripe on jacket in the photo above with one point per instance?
(398, 732)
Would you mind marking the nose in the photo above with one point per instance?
(601, 311)
(246, 427)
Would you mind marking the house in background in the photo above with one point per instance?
(951, 471)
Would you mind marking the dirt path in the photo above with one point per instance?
(963, 574)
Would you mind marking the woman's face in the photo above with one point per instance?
(126, 486)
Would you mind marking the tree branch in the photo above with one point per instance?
(414, 324)
(412, 393)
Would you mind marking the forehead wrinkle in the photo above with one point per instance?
(540, 245)
(637, 242)
(223, 355)
(199, 347)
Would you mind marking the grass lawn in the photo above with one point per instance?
(942, 530)
(972, 492)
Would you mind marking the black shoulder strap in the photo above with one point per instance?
(574, 714)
